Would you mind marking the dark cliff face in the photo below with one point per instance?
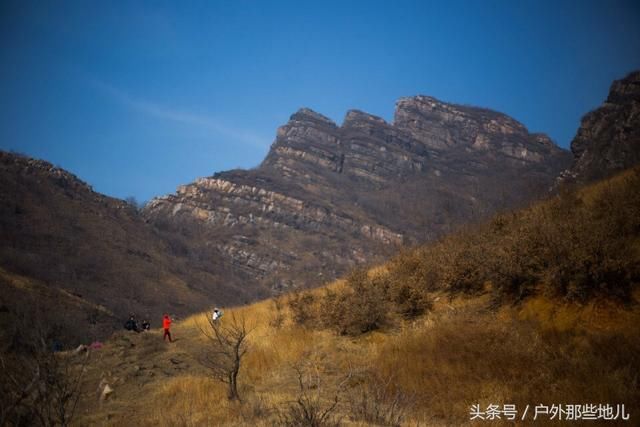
(608, 140)
(329, 197)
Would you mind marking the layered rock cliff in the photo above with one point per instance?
(608, 140)
(329, 197)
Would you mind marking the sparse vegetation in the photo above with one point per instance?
(577, 246)
(426, 372)
(379, 401)
(314, 406)
(417, 341)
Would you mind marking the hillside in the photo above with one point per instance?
(88, 260)
(429, 372)
(414, 345)
(329, 197)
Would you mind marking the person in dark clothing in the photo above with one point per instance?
(131, 324)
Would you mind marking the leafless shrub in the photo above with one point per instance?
(255, 409)
(228, 346)
(316, 404)
(378, 401)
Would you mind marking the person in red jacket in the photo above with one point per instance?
(166, 324)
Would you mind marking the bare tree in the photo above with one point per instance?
(228, 345)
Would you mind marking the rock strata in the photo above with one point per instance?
(328, 197)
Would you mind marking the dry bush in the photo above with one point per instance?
(257, 408)
(370, 302)
(407, 298)
(190, 401)
(379, 401)
(316, 403)
(361, 307)
(592, 249)
(301, 306)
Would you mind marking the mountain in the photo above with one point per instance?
(608, 140)
(328, 197)
(87, 260)
(325, 199)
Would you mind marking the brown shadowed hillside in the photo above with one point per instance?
(88, 260)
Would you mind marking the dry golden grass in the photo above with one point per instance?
(458, 355)
(425, 370)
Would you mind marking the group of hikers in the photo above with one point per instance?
(132, 324)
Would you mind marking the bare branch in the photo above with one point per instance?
(228, 346)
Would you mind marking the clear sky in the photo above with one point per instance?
(138, 97)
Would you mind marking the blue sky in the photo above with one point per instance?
(138, 97)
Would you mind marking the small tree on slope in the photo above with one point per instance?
(228, 346)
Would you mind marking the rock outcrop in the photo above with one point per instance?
(608, 140)
(328, 197)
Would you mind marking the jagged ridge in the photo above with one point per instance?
(361, 188)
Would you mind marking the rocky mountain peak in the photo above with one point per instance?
(307, 115)
(368, 149)
(608, 139)
(448, 128)
(357, 118)
(410, 110)
(625, 90)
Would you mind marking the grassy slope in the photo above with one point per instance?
(457, 355)
(541, 350)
